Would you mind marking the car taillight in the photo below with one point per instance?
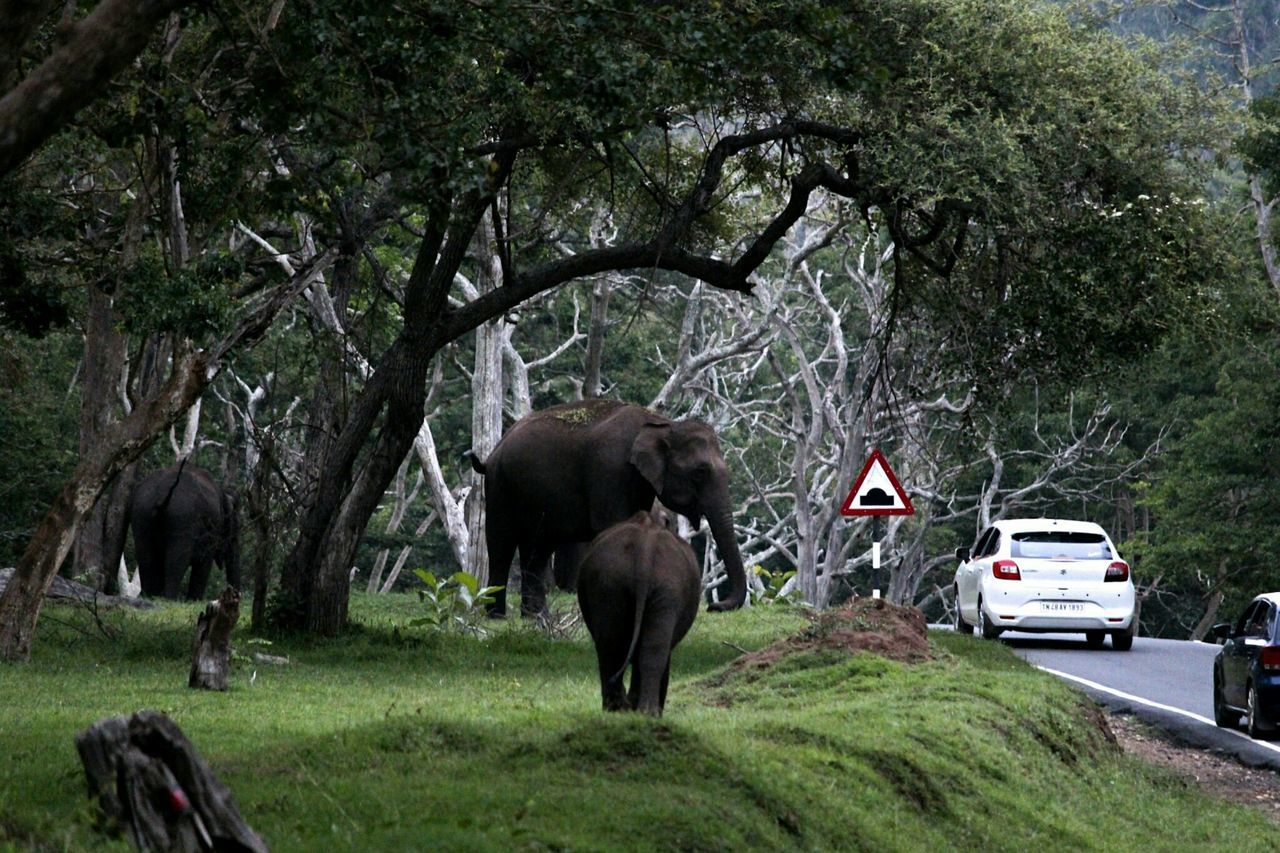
(1270, 657)
(1117, 571)
(1006, 570)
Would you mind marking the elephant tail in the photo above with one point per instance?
(476, 464)
(640, 568)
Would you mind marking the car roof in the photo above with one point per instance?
(1273, 597)
(1019, 525)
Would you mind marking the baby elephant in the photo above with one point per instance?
(639, 588)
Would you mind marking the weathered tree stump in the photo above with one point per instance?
(211, 657)
(149, 780)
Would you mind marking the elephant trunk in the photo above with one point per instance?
(721, 524)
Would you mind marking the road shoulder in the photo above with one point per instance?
(1221, 775)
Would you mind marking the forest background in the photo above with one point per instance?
(1041, 279)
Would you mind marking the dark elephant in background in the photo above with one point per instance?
(639, 588)
(182, 518)
(565, 474)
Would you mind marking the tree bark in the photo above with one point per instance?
(101, 541)
(486, 401)
(94, 50)
(592, 379)
(315, 579)
(149, 778)
(211, 657)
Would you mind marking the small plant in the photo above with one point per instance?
(769, 585)
(455, 603)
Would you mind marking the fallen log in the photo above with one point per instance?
(62, 588)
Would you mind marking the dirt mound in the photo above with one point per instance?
(863, 625)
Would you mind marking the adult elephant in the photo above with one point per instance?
(565, 474)
(181, 518)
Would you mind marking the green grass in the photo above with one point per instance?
(391, 739)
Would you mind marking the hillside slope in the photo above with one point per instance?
(394, 739)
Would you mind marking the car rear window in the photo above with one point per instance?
(1060, 544)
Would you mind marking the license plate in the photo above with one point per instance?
(1062, 607)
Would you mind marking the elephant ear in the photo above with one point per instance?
(649, 453)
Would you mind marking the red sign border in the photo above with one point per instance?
(907, 509)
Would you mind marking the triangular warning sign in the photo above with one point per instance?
(877, 491)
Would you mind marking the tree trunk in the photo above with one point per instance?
(486, 403)
(315, 579)
(323, 558)
(211, 658)
(100, 543)
(149, 778)
(1210, 616)
(450, 510)
(91, 52)
(259, 507)
(592, 381)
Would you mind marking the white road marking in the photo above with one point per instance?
(1129, 696)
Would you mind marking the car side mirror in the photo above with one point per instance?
(962, 554)
(1221, 632)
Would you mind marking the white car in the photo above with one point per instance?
(1045, 575)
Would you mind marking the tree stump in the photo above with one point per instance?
(211, 657)
(149, 780)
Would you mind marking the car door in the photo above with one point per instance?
(967, 577)
(981, 565)
(1246, 639)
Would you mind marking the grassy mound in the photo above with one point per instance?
(391, 738)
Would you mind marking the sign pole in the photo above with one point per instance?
(877, 533)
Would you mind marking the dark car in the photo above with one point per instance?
(1246, 673)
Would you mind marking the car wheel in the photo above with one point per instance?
(961, 626)
(988, 631)
(1222, 715)
(1095, 639)
(1122, 641)
(1256, 731)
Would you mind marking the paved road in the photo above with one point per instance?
(1166, 682)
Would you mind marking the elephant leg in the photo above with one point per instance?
(567, 559)
(199, 581)
(176, 560)
(150, 568)
(637, 681)
(533, 583)
(651, 667)
(662, 693)
(501, 553)
(611, 658)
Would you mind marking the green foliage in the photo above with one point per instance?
(380, 741)
(1216, 494)
(39, 422)
(1260, 144)
(456, 603)
(773, 584)
(193, 303)
(32, 297)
